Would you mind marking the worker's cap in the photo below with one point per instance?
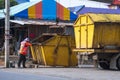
(26, 39)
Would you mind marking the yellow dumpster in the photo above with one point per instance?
(54, 50)
(94, 31)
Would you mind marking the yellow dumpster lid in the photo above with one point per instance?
(101, 17)
(104, 17)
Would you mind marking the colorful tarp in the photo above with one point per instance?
(18, 8)
(47, 9)
(98, 10)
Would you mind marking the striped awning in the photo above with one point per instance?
(47, 9)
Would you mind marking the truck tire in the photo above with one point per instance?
(104, 64)
(118, 63)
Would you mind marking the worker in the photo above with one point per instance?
(23, 52)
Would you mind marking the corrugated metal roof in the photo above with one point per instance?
(18, 8)
(76, 9)
(106, 1)
(104, 17)
(22, 1)
(40, 22)
(98, 10)
(87, 3)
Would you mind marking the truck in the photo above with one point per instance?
(97, 39)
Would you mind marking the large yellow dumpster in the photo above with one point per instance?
(54, 50)
(97, 30)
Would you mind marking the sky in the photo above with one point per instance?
(87, 3)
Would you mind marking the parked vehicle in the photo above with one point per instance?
(98, 37)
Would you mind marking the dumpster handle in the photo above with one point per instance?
(43, 54)
(32, 52)
(55, 50)
(70, 52)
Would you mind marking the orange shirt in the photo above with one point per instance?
(24, 47)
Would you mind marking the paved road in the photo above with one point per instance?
(9, 75)
(59, 74)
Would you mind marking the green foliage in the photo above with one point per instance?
(13, 2)
(2, 3)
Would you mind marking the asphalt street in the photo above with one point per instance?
(58, 74)
(6, 75)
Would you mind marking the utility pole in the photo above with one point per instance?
(7, 32)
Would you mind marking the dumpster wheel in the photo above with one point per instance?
(118, 63)
(104, 64)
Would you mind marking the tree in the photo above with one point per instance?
(2, 3)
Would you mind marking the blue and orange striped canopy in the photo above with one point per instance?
(47, 9)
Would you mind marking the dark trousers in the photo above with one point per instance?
(22, 59)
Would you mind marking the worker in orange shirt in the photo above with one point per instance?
(23, 52)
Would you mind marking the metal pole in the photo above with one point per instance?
(7, 32)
